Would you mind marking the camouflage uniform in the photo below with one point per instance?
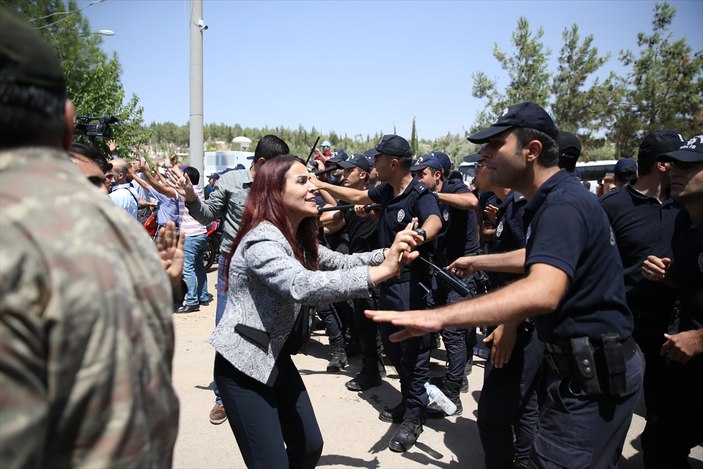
(86, 336)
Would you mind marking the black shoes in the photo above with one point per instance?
(364, 381)
(464, 385)
(394, 415)
(187, 309)
(405, 437)
(339, 357)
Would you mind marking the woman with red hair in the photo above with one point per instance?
(277, 265)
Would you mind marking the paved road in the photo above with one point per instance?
(354, 437)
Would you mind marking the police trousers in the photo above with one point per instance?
(507, 408)
(578, 431)
(411, 357)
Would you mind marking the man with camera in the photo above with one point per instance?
(573, 289)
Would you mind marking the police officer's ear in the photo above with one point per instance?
(663, 166)
(69, 114)
(534, 149)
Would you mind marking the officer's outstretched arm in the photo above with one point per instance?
(511, 261)
(347, 194)
(462, 201)
(540, 292)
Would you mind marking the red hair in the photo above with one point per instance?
(265, 203)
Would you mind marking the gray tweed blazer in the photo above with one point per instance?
(267, 285)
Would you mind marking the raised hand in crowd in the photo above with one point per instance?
(169, 244)
(176, 179)
(112, 146)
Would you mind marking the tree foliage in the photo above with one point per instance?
(413, 139)
(527, 71)
(93, 78)
(662, 90)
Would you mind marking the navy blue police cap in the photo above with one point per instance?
(658, 143)
(429, 161)
(394, 145)
(526, 115)
(356, 160)
(689, 152)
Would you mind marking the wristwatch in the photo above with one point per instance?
(422, 233)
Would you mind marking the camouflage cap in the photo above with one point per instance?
(26, 57)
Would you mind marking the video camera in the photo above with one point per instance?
(95, 126)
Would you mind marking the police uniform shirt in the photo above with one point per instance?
(642, 226)
(362, 231)
(567, 229)
(396, 212)
(687, 265)
(459, 235)
(510, 233)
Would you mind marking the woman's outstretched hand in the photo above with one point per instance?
(400, 253)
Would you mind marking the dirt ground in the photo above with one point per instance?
(353, 434)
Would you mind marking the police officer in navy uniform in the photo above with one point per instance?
(402, 198)
(507, 408)
(362, 231)
(674, 426)
(642, 217)
(459, 237)
(573, 289)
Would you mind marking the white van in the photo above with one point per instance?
(593, 171)
(218, 161)
(468, 172)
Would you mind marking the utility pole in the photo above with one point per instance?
(197, 26)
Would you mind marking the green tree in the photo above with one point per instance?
(577, 104)
(528, 75)
(413, 139)
(664, 87)
(92, 78)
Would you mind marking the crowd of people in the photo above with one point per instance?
(589, 303)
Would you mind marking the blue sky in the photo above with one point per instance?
(353, 67)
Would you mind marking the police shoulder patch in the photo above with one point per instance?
(421, 188)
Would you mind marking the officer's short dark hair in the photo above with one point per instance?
(270, 146)
(30, 115)
(32, 86)
(550, 150)
(405, 163)
(193, 174)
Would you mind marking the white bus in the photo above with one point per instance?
(591, 171)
